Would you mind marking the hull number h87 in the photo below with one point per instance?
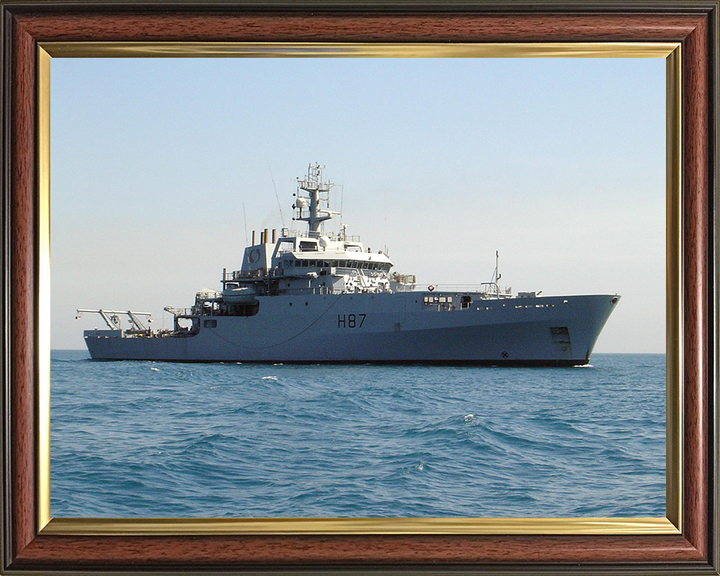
(351, 320)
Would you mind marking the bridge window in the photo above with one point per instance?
(306, 246)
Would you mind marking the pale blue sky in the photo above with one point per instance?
(557, 163)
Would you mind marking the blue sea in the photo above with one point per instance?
(146, 439)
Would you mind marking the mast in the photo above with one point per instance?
(495, 280)
(496, 274)
(318, 194)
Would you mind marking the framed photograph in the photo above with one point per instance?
(398, 63)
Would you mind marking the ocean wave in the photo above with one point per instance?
(233, 440)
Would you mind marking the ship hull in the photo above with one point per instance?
(381, 328)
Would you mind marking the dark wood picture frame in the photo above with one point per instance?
(25, 24)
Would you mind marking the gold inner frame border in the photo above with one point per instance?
(671, 524)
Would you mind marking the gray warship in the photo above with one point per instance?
(311, 297)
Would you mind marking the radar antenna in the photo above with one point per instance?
(313, 208)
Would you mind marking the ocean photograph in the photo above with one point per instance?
(508, 212)
(147, 439)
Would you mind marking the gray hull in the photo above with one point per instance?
(383, 328)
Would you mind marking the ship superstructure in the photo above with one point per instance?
(307, 296)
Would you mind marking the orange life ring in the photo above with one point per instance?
(431, 287)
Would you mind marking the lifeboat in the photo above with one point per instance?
(239, 294)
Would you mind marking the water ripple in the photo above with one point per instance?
(164, 439)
